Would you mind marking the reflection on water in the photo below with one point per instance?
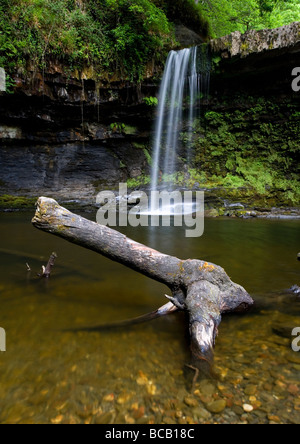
(50, 374)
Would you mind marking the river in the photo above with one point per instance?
(51, 374)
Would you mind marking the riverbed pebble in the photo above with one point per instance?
(191, 402)
(248, 408)
(207, 388)
(109, 398)
(250, 390)
(105, 418)
(216, 406)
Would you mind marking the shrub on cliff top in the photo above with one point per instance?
(115, 35)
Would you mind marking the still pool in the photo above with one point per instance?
(51, 374)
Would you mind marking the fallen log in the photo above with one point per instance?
(202, 289)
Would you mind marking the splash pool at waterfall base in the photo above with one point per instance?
(138, 375)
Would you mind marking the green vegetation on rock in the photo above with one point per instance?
(16, 202)
(151, 101)
(248, 147)
(138, 182)
(119, 36)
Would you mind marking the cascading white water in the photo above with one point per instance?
(185, 77)
(179, 67)
(194, 90)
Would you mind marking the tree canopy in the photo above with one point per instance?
(226, 16)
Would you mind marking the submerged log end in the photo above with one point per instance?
(206, 303)
(202, 344)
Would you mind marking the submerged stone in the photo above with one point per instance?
(250, 390)
(105, 418)
(191, 402)
(248, 408)
(216, 406)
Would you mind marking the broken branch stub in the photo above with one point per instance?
(203, 289)
(50, 265)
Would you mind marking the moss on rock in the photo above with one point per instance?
(8, 202)
(250, 150)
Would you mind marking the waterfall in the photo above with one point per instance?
(185, 80)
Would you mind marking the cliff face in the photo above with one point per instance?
(258, 61)
(67, 135)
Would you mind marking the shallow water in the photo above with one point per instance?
(50, 374)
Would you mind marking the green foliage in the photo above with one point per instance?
(151, 101)
(129, 130)
(9, 84)
(120, 36)
(248, 148)
(216, 61)
(192, 178)
(117, 127)
(137, 31)
(283, 13)
(214, 118)
(233, 181)
(148, 157)
(138, 182)
(18, 202)
(226, 16)
(195, 177)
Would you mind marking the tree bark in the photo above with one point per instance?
(47, 271)
(203, 289)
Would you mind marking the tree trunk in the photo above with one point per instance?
(203, 289)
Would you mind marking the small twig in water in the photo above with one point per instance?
(46, 271)
(196, 376)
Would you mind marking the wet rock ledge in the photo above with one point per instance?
(286, 38)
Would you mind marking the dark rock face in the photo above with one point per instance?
(286, 38)
(257, 62)
(186, 37)
(74, 170)
(72, 139)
